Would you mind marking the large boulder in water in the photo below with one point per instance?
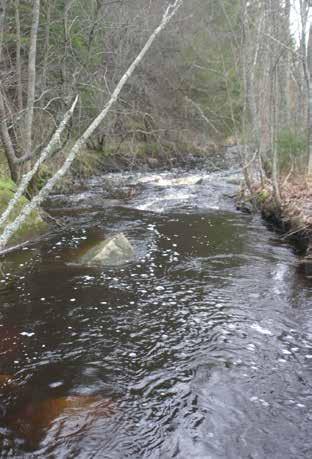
(114, 251)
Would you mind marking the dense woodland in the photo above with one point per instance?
(222, 71)
(180, 99)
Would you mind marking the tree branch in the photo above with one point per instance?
(6, 139)
(44, 192)
(31, 77)
(54, 142)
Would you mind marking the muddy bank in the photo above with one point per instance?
(291, 215)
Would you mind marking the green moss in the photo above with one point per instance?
(263, 195)
(43, 176)
(4, 169)
(34, 224)
(7, 185)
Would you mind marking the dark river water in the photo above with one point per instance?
(199, 348)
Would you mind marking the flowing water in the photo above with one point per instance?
(199, 348)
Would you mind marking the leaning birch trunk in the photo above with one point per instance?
(47, 151)
(44, 192)
(31, 77)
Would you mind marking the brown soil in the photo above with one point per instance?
(293, 214)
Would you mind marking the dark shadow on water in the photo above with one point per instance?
(201, 347)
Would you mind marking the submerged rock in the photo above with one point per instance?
(6, 381)
(68, 414)
(114, 251)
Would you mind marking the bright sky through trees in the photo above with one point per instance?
(295, 19)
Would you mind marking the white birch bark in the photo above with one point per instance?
(48, 150)
(11, 228)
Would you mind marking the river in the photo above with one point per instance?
(200, 348)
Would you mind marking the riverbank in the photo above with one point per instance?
(139, 156)
(291, 214)
(195, 324)
(33, 227)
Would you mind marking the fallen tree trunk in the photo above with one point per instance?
(11, 228)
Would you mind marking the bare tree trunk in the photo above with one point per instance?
(31, 77)
(249, 57)
(6, 139)
(44, 192)
(48, 151)
(18, 56)
(310, 131)
(46, 44)
(309, 58)
(287, 90)
(66, 84)
(274, 67)
(2, 19)
(306, 57)
(274, 128)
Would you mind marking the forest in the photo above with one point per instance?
(155, 228)
(223, 72)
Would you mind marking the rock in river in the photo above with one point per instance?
(114, 251)
(68, 415)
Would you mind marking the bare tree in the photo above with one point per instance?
(18, 57)
(47, 152)
(31, 78)
(2, 19)
(306, 59)
(7, 132)
(11, 228)
(309, 123)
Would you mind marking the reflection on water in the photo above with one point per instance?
(200, 348)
